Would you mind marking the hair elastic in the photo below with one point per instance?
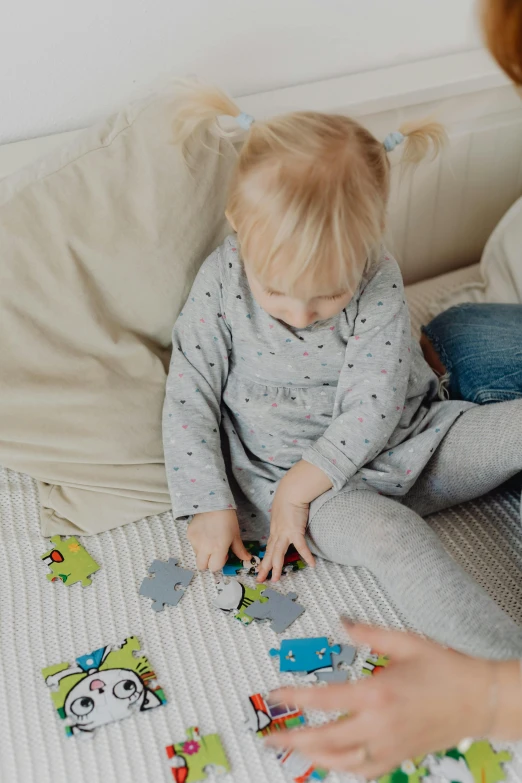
(393, 140)
(244, 121)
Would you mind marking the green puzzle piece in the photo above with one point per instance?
(191, 759)
(408, 772)
(249, 597)
(484, 762)
(69, 562)
(481, 760)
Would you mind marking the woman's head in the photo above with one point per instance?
(502, 22)
(308, 201)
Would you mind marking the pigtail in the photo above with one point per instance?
(197, 107)
(422, 139)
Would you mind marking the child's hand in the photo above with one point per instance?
(302, 484)
(287, 526)
(212, 535)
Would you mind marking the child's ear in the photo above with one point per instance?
(227, 215)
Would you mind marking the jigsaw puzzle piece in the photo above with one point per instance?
(305, 655)
(337, 674)
(167, 585)
(483, 761)
(106, 685)
(234, 566)
(410, 771)
(69, 562)
(280, 609)
(265, 717)
(192, 759)
(374, 663)
(235, 597)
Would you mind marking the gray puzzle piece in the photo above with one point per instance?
(346, 656)
(162, 587)
(279, 608)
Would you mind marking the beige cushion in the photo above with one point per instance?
(99, 245)
(500, 279)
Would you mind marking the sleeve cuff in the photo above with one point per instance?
(331, 461)
(200, 506)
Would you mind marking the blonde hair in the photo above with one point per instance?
(502, 23)
(309, 193)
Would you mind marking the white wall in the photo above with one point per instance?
(65, 63)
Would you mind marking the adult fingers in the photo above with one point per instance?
(302, 547)
(343, 697)
(337, 736)
(239, 549)
(396, 644)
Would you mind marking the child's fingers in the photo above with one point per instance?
(278, 559)
(302, 547)
(202, 558)
(266, 565)
(239, 549)
(217, 559)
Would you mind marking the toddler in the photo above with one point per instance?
(296, 397)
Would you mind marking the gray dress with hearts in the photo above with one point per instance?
(249, 396)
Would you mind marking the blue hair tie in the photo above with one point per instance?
(244, 121)
(393, 140)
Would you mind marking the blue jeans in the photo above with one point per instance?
(480, 347)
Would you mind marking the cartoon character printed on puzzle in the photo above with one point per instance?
(106, 685)
(190, 760)
(236, 598)
(69, 562)
(374, 663)
(236, 567)
(265, 716)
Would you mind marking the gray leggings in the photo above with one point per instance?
(362, 528)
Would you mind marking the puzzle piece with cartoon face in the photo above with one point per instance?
(280, 609)
(237, 598)
(69, 562)
(235, 567)
(192, 759)
(106, 685)
(167, 585)
(305, 655)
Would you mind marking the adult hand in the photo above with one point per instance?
(212, 535)
(428, 699)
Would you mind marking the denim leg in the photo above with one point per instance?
(480, 346)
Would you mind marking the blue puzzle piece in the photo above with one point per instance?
(305, 655)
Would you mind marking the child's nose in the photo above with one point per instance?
(302, 318)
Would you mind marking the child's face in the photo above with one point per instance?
(303, 307)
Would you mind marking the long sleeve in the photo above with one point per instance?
(201, 345)
(373, 382)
